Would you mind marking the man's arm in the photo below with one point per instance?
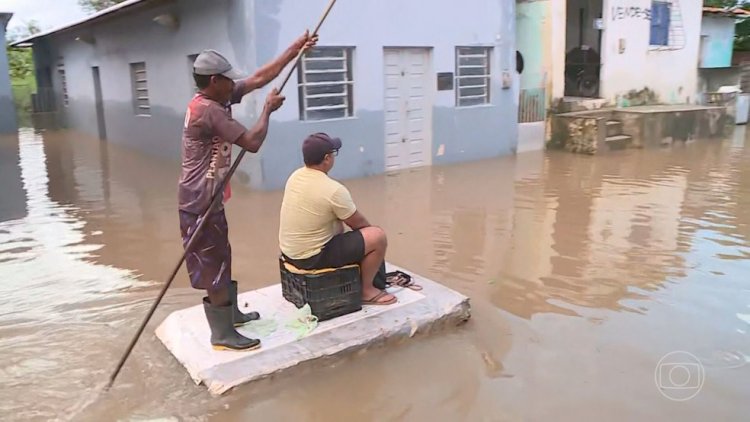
(252, 139)
(357, 221)
(271, 70)
(345, 210)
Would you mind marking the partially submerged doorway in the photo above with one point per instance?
(583, 37)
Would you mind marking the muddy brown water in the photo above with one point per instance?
(583, 273)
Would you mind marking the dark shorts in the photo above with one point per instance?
(343, 249)
(209, 263)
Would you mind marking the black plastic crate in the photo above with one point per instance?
(330, 293)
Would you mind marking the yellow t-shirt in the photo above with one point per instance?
(311, 212)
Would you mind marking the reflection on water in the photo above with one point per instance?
(53, 292)
(583, 272)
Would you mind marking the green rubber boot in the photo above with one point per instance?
(223, 334)
(237, 316)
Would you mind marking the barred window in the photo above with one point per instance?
(660, 17)
(325, 84)
(667, 26)
(472, 76)
(141, 105)
(64, 83)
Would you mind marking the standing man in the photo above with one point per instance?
(208, 135)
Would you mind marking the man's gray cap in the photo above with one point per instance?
(210, 62)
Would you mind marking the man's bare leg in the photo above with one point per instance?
(375, 246)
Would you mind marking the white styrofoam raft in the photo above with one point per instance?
(186, 334)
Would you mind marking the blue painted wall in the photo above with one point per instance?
(8, 123)
(252, 32)
(134, 37)
(370, 26)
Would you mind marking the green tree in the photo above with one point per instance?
(97, 5)
(742, 35)
(20, 64)
(720, 3)
(20, 60)
(742, 29)
(21, 67)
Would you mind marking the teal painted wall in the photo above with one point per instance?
(530, 20)
(717, 42)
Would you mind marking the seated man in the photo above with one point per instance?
(311, 233)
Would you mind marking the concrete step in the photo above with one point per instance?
(573, 104)
(614, 128)
(618, 141)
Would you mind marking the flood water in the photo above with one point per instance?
(583, 273)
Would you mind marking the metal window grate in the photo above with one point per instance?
(472, 76)
(139, 81)
(325, 84)
(64, 83)
(673, 36)
(532, 107)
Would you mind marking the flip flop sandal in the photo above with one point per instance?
(402, 280)
(374, 300)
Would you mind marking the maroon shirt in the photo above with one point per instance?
(207, 139)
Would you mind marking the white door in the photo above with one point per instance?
(408, 108)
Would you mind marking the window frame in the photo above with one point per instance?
(470, 52)
(661, 39)
(138, 108)
(317, 113)
(63, 83)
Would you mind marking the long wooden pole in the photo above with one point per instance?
(202, 222)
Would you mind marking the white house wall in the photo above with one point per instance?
(671, 74)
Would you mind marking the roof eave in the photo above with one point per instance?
(29, 41)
